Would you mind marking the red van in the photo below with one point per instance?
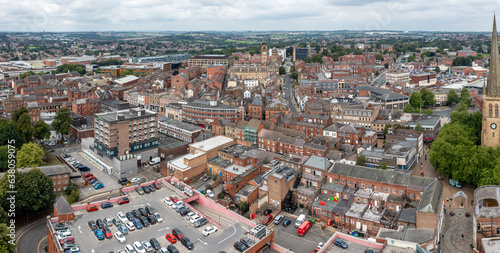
(304, 227)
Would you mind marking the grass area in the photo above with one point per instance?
(31, 47)
(242, 41)
(192, 34)
(52, 161)
(217, 49)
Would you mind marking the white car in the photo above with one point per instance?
(147, 246)
(130, 226)
(320, 245)
(195, 218)
(209, 230)
(120, 237)
(210, 193)
(139, 248)
(158, 217)
(168, 201)
(189, 215)
(122, 217)
(135, 180)
(177, 204)
(129, 248)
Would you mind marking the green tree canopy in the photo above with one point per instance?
(419, 127)
(386, 65)
(62, 121)
(16, 114)
(383, 166)
(41, 130)
(9, 133)
(4, 157)
(429, 111)
(379, 57)
(465, 97)
(294, 75)
(361, 160)
(437, 69)
(416, 100)
(282, 70)
(30, 155)
(427, 97)
(411, 58)
(453, 97)
(24, 128)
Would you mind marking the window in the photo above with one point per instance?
(336, 180)
(391, 206)
(348, 182)
(358, 199)
(400, 191)
(496, 111)
(342, 181)
(394, 191)
(364, 201)
(491, 110)
(363, 186)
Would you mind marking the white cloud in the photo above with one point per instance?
(108, 15)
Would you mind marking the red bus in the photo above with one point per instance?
(304, 227)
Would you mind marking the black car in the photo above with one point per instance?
(144, 221)
(182, 208)
(187, 243)
(152, 188)
(122, 180)
(92, 225)
(136, 213)
(130, 216)
(146, 189)
(152, 219)
(83, 168)
(156, 245)
(246, 241)
(240, 246)
(99, 223)
(143, 211)
(184, 211)
(172, 249)
(105, 205)
(60, 226)
(369, 251)
(150, 210)
(267, 211)
(286, 223)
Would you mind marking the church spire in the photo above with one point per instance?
(493, 86)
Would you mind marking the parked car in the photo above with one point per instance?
(152, 220)
(174, 198)
(139, 248)
(267, 219)
(105, 205)
(87, 175)
(100, 223)
(147, 246)
(278, 219)
(107, 232)
(98, 186)
(123, 229)
(139, 190)
(92, 225)
(91, 208)
(146, 189)
(135, 180)
(157, 185)
(168, 201)
(122, 180)
(144, 221)
(152, 188)
(268, 211)
(210, 193)
(150, 210)
(130, 216)
(130, 226)
(187, 243)
(206, 178)
(130, 249)
(286, 223)
(172, 249)
(184, 211)
(137, 224)
(209, 230)
(93, 180)
(99, 234)
(240, 246)
(156, 245)
(246, 241)
(66, 240)
(158, 217)
(340, 243)
(119, 236)
(200, 222)
(116, 221)
(171, 238)
(136, 213)
(123, 200)
(194, 218)
(108, 222)
(177, 233)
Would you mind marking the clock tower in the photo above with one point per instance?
(490, 134)
(263, 52)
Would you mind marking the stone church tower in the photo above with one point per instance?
(490, 135)
(264, 52)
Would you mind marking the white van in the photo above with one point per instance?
(300, 220)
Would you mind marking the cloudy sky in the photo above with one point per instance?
(236, 15)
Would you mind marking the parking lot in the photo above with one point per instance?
(88, 242)
(288, 235)
(352, 247)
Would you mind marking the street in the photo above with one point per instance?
(288, 93)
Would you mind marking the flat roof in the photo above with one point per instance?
(212, 143)
(182, 125)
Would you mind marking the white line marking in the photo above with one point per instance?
(202, 241)
(79, 229)
(138, 205)
(163, 229)
(230, 235)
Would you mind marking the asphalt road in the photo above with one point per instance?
(33, 240)
(288, 93)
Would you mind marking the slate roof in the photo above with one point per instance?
(408, 215)
(318, 163)
(62, 206)
(430, 199)
(384, 176)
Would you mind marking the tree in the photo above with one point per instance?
(317, 58)
(16, 114)
(416, 100)
(411, 58)
(427, 97)
(41, 130)
(6, 243)
(383, 166)
(379, 57)
(73, 196)
(429, 111)
(437, 69)
(24, 128)
(4, 157)
(465, 97)
(453, 97)
(419, 127)
(386, 129)
(361, 160)
(386, 65)
(282, 70)
(243, 206)
(30, 155)
(62, 121)
(126, 73)
(9, 134)
(294, 76)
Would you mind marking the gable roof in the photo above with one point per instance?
(318, 162)
(430, 199)
(383, 176)
(62, 206)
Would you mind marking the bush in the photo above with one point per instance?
(71, 187)
(214, 177)
(208, 187)
(221, 195)
(74, 196)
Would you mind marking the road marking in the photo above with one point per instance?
(33, 226)
(38, 246)
(163, 229)
(202, 241)
(138, 205)
(230, 235)
(79, 229)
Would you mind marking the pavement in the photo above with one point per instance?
(288, 94)
(33, 239)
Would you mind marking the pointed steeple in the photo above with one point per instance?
(264, 40)
(493, 86)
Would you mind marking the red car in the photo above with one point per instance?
(177, 233)
(171, 238)
(66, 240)
(107, 232)
(268, 219)
(88, 175)
(91, 208)
(157, 185)
(123, 200)
(174, 198)
(90, 178)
